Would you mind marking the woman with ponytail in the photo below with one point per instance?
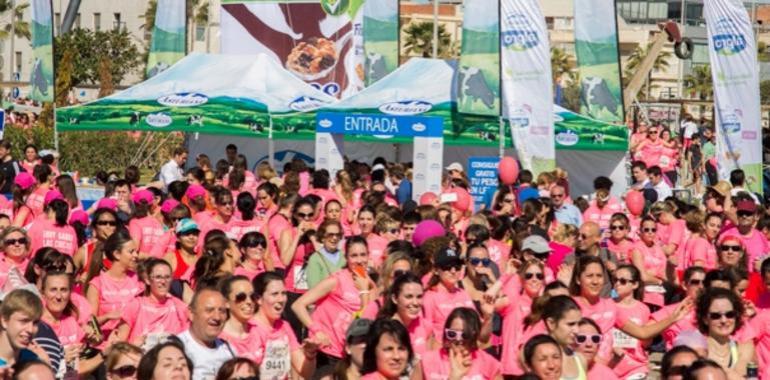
(52, 229)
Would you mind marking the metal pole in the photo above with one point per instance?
(435, 28)
(12, 69)
(502, 137)
(754, 18)
(683, 20)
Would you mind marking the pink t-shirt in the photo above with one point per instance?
(249, 273)
(605, 314)
(248, 346)
(238, 227)
(68, 330)
(755, 243)
(601, 216)
(655, 264)
(84, 308)
(650, 153)
(498, 252)
(622, 250)
(761, 326)
(514, 332)
(674, 233)
(115, 295)
(36, 199)
(419, 335)
(45, 233)
(276, 346)
(635, 359)
(146, 231)
(601, 371)
(144, 316)
(166, 243)
(6, 206)
(277, 224)
(688, 323)
(436, 366)
(558, 253)
(334, 312)
(296, 264)
(376, 245)
(203, 217)
(209, 225)
(699, 249)
(437, 303)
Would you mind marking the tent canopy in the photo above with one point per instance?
(577, 132)
(207, 93)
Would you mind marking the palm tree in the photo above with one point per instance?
(635, 59)
(149, 16)
(20, 27)
(419, 40)
(700, 82)
(561, 64)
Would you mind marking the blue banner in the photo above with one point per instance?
(379, 125)
(482, 173)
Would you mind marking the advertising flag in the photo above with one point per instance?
(479, 77)
(735, 71)
(527, 88)
(319, 41)
(168, 36)
(380, 38)
(596, 45)
(42, 78)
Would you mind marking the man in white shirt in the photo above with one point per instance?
(208, 313)
(658, 183)
(173, 170)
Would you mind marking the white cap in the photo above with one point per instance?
(455, 166)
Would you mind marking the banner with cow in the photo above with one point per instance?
(168, 43)
(596, 45)
(735, 71)
(319, 41)
(381, 38)
(479, 77)
(42, 77)
(526, 80)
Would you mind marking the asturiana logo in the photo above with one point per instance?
(518, 33)
(406, 107)
(183, 99)
(325, 123)
(727, 38)
(306, 103)
(159, 119)
(567, 138)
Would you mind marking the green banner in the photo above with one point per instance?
(168, 36)
(479, 67)
(596, 45)
(42, 76)
(577, 132)
(380, 39)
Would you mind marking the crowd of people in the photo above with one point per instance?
(215, 271)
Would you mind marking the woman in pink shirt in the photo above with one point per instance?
(277, 223)
(560, 318)
(52, 230)
(23, 186)
(43, 175)
(619, 243)
(16, 253)
(295, 245)
(720, 315)
(89, 260)
(156, 314)
(253, 246)
(240, 296)
(376, 243)
(276, 341)
(632, 361)
(542, 357)
(672, 232)
(444, 293)
(66, 185)
(267, 200)
(337, 300)
(397, 264)
(404, 304)
(246, 221)
(144, 228)
(460, 356)
(218, 260)
(649, 258)
(587, 342)
(388, 352)
(699, 249)
(31, 158)
(111, 291)
(223, 212)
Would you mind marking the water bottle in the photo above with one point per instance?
(752, 372)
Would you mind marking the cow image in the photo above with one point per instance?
(74, 120)
(595, 91)
(135, 118)
(38, 79)
(255, 127)
(487, 136)
(375, 67)
(473, 87)
(195, 120)
(157, 69)
(598, 138)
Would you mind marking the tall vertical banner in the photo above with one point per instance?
(168, 36)
(381, 36)
(735, 70)
(319, 41)
(526, 81)
(596, 45)
(479, 71)
(42, 77)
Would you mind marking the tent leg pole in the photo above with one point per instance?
(55, 131)
(271, 146)
(502, 138)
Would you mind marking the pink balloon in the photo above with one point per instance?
(464, 200)
(428, 198)
(426, 230)
(635, 202)
(509, 170)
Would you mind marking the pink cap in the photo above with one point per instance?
(24, 180)
(107, 203)
(51, 196)
(426, 230)
(145, 196)
(79, 216)
(195, 191)
(168, 205)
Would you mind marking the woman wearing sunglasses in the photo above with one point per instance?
(398, 263)
(239, 293)
(16, 254)
(121, 361)
(631, 358)
(651, 261)
(337, 299)
(699, 249)
(619, 242)
(184, 256)
(731, 252)
(155, 314)
(224, 209)
(720, 314)
(253, 246)
(479, 275)
(459, 355)
(172, 212)
(404, 304)
(90, 259)
(328, 258)
(587, 342)
(294, 245)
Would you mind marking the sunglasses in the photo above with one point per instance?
(254, 244)
(447, 268)
(455, 335)
(530, 275)
(302, 215)
(19, 241)
(582, 339)
(583, 236)
(624, 281)
(617, 228)
(111, 223)
(399, 272)
(475, 261)
(124, 371)
(717, 316)
(649, 230)
(334, 235)
(695, 282)
(652, 132)
(241, 297)
(557, 195)
(745, 214)
(735, 248)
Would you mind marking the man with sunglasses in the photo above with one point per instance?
(589, 243)
(757, 247)
(692, 285)
(565, 213)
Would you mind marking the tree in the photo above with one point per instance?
(635, 59)
(419, 40)
(571, 92)
(764, 91)
(89, 48)
(561, 64)
(21, 28)
(149, 15)
(699, 82)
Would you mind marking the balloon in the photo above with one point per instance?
(509, 170)
(464, 200)
(635, 202)
(428, 198)
(426, 230)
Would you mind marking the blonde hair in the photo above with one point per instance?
(21, 300)
(265, 171)
(386, 273)
(565, 231)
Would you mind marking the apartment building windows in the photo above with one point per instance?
(97, 21)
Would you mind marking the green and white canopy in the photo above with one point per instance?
(210, 94)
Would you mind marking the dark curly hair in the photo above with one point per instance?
(708, 297)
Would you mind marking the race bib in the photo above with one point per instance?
(276, 362)
(664, 161)
(623, 340)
